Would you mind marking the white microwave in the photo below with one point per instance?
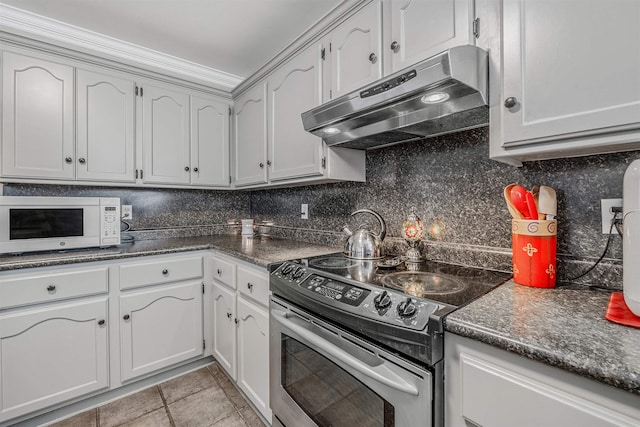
(30, 224)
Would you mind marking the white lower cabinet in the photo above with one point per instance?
(241, 330)
(160, 327)
(52, 353)
(489, 387)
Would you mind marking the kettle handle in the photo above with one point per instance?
(383, 226)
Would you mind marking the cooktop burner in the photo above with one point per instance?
(422, 285)
(332, 262)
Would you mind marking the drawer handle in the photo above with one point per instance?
(165, 271)
(219, 272)
(101, 322)
(250, 286)
(229, 315)
(126, 317)
(51, 288)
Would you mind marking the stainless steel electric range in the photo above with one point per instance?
(357, 342)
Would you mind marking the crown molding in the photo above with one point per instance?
(26, 24)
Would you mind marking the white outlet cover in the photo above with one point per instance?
(126, 212)
(607, 215)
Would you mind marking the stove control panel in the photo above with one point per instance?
(337, 291)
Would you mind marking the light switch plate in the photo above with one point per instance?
(304, 211)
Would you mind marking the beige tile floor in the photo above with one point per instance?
(202, 398)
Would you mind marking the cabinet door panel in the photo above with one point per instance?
(105, 137)
(209, 142)
(250, 137)
(253, 354)
(426, 28)
(351, 45)
(165, 136)
(550, 66)
(37, 118)
(292, 90)
(163, 327)
(224, 328)
(52, 354)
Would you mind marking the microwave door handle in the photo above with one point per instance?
(380, 373)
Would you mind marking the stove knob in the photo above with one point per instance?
(406, 308)
(287, 269)
(298, 273)
(382, 301)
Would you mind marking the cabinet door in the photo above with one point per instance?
(165, 135)
(420, 29)
(224, 328)
(355, 51)
(292, 90)
(251, 137)
(105, 140)
(37, 118)
(566, 79)
(253, 354)
(160, 327)
(209, 142)
(52, 354)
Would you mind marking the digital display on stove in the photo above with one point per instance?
(336, 291)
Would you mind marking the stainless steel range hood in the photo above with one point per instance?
(443, 94)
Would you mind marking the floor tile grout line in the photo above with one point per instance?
(166, 406)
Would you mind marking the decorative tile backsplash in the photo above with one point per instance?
(455, 188)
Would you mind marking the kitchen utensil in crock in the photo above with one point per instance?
(515, 213)
(363, 243)
(547, 202)
(535, 190)
(518, 198)
(531, 205)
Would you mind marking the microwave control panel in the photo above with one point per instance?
(110, 224)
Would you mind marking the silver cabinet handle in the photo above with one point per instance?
(195, 169)
(268, 162)
(219, 272)
(82, 160)
(261, 165)
(510, 102)
(165, 271)
(250, 286)
(373, 58)
(186, 168)
(395, 46)
(51, 288)
(101, 322)
(126, 317)
(68, 159)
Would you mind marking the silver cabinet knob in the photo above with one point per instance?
(268, 162)
(82, 160)
(510, 102)
(261, 165)
(68, 160)
(186, 168)
(395, 46)
(250, 286)
(195, 169)
(373, 58)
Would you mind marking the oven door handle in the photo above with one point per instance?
(380, 373)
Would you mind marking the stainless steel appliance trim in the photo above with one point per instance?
(410, 409)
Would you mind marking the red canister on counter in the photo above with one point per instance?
(534, 252)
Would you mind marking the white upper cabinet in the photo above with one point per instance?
(293, 89)
(37, 118)
(355, 51)
(421, 29)
(106, 130)
(165, 135)
(209, 142)
(570, 82)
(250, 133)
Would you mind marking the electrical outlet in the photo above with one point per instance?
(126, 212)
(304, 211)
(607, 213)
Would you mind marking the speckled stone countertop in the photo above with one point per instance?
(259, 251)
(563, 327)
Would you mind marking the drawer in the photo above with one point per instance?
(224, 271)
(161, 271)
(52, 285)
(254, 284)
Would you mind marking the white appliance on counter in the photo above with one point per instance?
(631, 241)
(29, 224)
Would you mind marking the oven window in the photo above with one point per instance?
(44, 223)
(327, 393)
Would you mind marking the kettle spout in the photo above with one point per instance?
(347, 231)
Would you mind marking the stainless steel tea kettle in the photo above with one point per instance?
(363, 243)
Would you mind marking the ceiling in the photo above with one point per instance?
(233, 36)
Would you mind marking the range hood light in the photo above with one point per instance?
(331, 131)
(434, 97)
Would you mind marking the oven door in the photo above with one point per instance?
(323, 376)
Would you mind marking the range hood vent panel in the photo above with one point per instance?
(399, 107)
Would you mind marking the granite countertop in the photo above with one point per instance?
(563, 327)
(259, 251)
